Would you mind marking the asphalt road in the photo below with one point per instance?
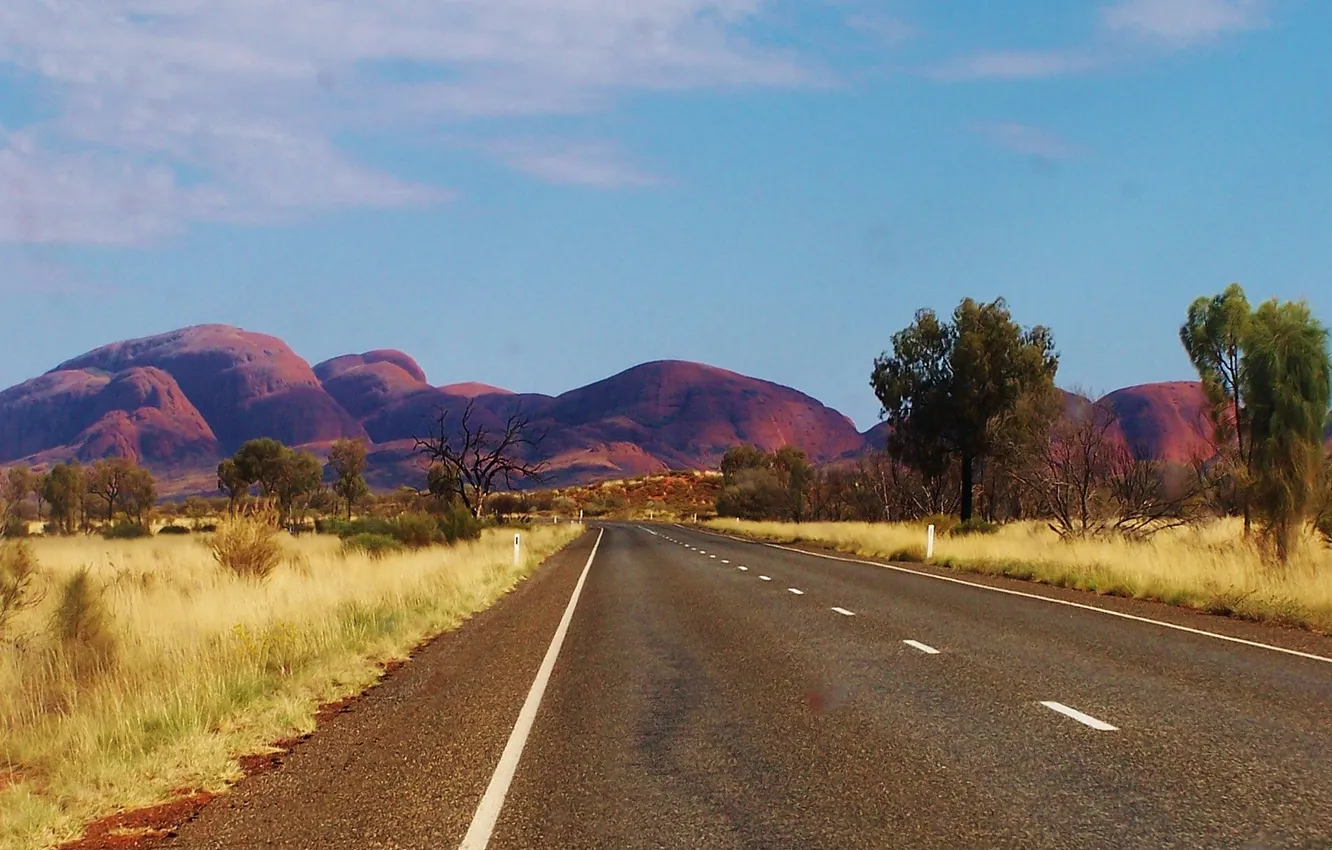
(714, 693)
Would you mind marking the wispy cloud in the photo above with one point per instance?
(1183, 23)
(887, 29)
(596, 164)
(1122, 26)
(1028, 140)
(169, 112)
(1019, 65)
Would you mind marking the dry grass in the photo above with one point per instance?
(204, 666)
(1207, 567)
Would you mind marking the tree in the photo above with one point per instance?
(478, 455)
(283, 475)
(108, 480)
(63, 488)
(195, 508)
(232, 483)
(1287, 379)
(1214, 335)
(347, 461)
(15, 486)
(140, 494)
(796, 476)
(947, 384)
(1086, 482)
(300, 475)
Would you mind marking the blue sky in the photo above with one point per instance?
(540, 193)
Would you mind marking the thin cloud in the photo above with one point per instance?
(170, 112)
(1028, 140)
(886, 29)
(1183, 23)
(1122, 26)
(597, 165)
(1018, 65)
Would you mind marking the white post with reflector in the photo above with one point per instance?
(517, 550)
(929, 543)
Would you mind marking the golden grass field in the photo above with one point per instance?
(1207, 567)
(206, 666)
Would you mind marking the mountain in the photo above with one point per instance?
(178, 402)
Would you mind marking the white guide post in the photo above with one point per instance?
(929, 543)
(517, 550)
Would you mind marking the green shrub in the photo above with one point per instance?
(15, 527)
(973, 526)
(83, 626)
(417, 531)
(125, 531)
(374, 545)
(457, 523)
(173, 529)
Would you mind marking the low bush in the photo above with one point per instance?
(125, 531)
(374, 545)
(173, 529)
(411, 530)
(416, 531)
(15, 527)
(457, 523)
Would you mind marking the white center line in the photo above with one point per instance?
(844, 612)
(712, 556)
(797, 591)
(742, 568)
(724, 561)
(764, 578)
(915, 644)
(1084, 719)
(487, 812)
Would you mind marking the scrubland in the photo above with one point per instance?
(1209, 567)
(152, 673)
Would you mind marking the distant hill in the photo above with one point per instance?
(178, 402)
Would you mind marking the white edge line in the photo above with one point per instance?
(488, 810)
(1084, 719)
(915, 644)
(1134, 617)
(844, 612)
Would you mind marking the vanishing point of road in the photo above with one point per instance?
(654, 686)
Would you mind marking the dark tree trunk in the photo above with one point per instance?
(967, 484)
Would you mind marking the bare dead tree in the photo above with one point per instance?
(479, 456)
(1087, 482)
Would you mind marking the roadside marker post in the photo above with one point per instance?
(929, 543)
(517, 549)
(580, 516)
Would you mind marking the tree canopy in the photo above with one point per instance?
(948, 384)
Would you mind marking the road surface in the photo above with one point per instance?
(713, 693)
